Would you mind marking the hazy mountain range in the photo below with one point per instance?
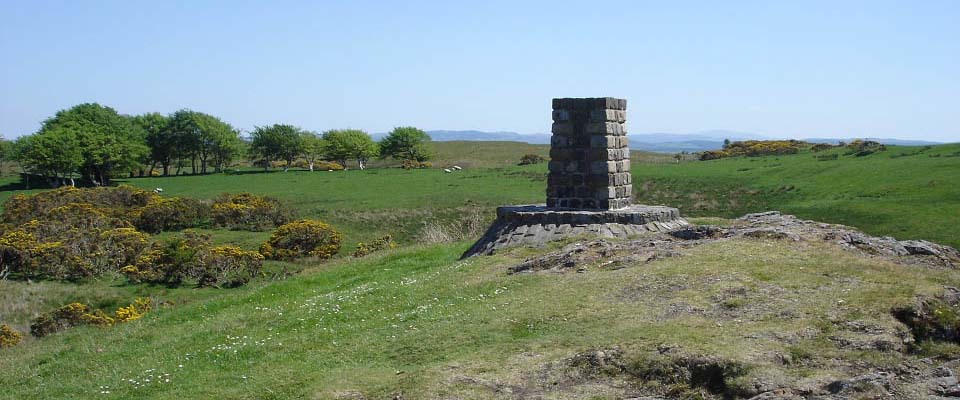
(659, 142)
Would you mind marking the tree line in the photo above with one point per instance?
(95, 144)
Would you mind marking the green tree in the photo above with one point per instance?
(276, 142)
(54, 153)
(6, 152)
(314, 148)
(350, 144)
(160, 141)
(406, 143)
(108, 142)
(203, 139)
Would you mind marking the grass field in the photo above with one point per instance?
(420, 323)
(417, 321)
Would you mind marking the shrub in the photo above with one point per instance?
(244, 211)
(327, 166)
(8, 336)
(821, 147)
(860, 148)
(528, 159)
(414, 164)
(120, 247)
(170, 262)
(132, 312)
(300, 239)
(713, 155)
(171, 214)
(381, 243)
(112, 201)
(228, 266)
(76, 314)
(70, 315)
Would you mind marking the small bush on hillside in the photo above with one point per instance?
(8, 336)
(414, 164)
(76, 314)
(171, 214)
(860, 148)
(754, 148)
(228, 266)
(244, 211)
(381, 243)
(713, 155)
(327, 166)
(112, 201)
(169, 262)
(190, 258)
(75, 241)
(528, 159)
(821, 147)
(301, 239)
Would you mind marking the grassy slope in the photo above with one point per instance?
(419, 322)
(906, 192)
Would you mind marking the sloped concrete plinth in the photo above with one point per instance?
(534, 225)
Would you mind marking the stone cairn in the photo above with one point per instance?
(589, 188)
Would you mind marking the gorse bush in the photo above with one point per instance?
(528, 159)
(755, 148)
(381, 243)
(327, 166)
(190, 257)
(77, 242)
(8, 336)
(860, 148)
(414, 164)
(302, 239)
(244, 211)
(171, 214)
(113, 201)
(76, 314)
(229, 266)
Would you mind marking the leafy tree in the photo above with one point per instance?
(219, 142)
(107, 141)
(54, 153)
(160, 140)
(6, 152)
(276, 142)
(406, 143)
(202, 138)
(314, 148)
(350, 144)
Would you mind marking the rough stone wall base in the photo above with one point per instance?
(534, 225)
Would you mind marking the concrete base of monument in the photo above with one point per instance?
(534, 225)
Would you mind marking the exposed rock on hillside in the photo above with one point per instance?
(604, 253)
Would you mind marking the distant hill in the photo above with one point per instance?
(894, 142)
(656, 142)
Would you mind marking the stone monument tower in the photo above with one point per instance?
(589, 159)
(589, 188)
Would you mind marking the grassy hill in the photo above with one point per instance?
(417, 322)
(906, 192)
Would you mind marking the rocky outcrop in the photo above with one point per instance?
(534, 225)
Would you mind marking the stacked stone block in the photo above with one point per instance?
(589, 158)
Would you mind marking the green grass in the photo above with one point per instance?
(905, 192)
(418, 322)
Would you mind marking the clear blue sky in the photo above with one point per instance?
(797, 68)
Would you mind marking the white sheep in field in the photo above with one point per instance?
(457, 167)
(447, 170)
